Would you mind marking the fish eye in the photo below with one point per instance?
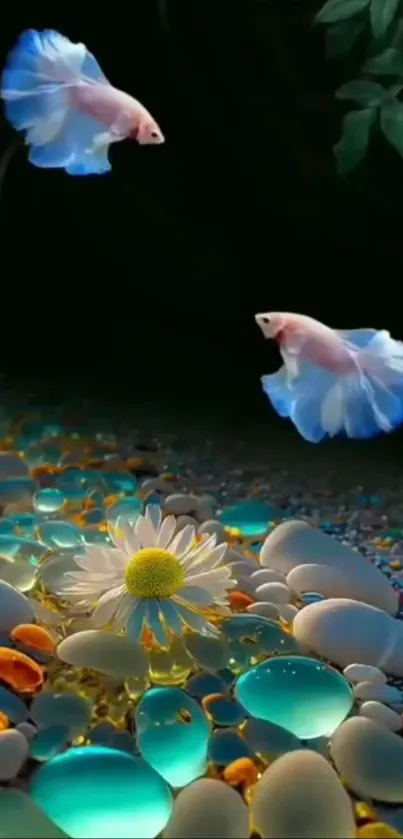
(154, 135)
(266, 320)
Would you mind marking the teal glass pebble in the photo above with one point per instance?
(311, 597)
(17, 547)
(123, 482)
(12, 706)
(105, 793)
(128, 508)
(227, 745)
(303, 695)
(251, 636)
(15, 489)
(48, 501)
(24, 524)
(205, 683)
(59, 535)
(268, 739)
(49, 742)
(252, 518)
(172, 734)
(68, 709)
(224, 711)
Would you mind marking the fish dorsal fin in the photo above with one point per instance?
(357, 337)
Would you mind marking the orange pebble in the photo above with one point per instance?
(208, 700)
(19, 671)
(4, 721)
(239, 601)
(241, 771)
(33, 636)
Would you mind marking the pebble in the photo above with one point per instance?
(27, 729)
(183, 521)
(14, 750)
(378, 693)
(295, 543)
(267, 610)
(364, 673)
(20, 817)
(287, 612)
(210, 809)
(382, 715)
(15, 608)
(115, 655)
(300, 795)
(180, 504)
(214, 527)
(370, 759)
(135, 801)
(267, 575)
(273, 593)
(345, 631)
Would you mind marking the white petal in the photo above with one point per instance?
(195, 594)
(107, 606)
(145, 532)
(125, 533)
(154, 622)
(123, 611)
(135, 621)
(182, 541)
(166, 531)
(207, 563)
(154, 515)
(196, 622)
(171, 616)
(212, 581)
(203, 549)
(96, 558)
(88, 576)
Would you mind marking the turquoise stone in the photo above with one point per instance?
(61, 709)
(127, 508)
(48, 500)
(252, 518)
(102, 792)
(173, 734)
(253, 636)
(49, 742)
(302, 695)
(227, 745)
(59, 535)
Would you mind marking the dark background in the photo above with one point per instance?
(141, 285)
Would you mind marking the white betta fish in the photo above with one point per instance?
(334, 380)
(56, 92)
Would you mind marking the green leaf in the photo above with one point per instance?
(335, 10)
(387, 63)
(392, 124)
(382, 13)
(352, 146)
(363, 92)
(341, 36)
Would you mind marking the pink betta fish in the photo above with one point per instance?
(334, 381)
(56, 92)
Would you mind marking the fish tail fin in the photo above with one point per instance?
(36, 86)
(361, 403)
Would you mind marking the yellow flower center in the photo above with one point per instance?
(154, 573)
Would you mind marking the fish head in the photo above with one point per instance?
(271, 323)
(148, 133)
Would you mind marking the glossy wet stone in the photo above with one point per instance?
(301, 694)
(251, 518)
(102, 792)
(172, 734)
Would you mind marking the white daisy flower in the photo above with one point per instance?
(151, 578)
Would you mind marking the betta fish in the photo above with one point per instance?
(334, 381)
(56, 92)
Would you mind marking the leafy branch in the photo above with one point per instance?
(378, 24)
